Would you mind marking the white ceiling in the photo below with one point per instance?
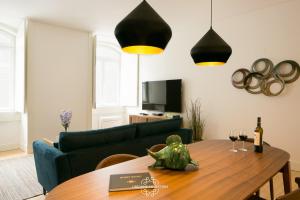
(103, 15)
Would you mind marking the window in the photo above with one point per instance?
(7, 69)
(108, 68)
(116, 76)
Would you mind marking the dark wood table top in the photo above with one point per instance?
(222, 175)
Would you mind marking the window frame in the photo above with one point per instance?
(12, 72)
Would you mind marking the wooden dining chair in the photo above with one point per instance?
(255, 197)
(157, 147)
(295, 195)
(115, 159)
(297, 179)
(251, 140)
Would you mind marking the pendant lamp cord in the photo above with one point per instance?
(138, 81)
(211, 16)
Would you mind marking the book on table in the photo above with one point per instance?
(133, 181)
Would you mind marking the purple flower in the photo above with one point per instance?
(65, 117)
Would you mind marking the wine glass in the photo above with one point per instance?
(233, 137)
(243, 137)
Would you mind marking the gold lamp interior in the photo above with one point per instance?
(141, 49)
(210, 64)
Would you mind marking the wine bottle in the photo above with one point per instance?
(258, 137)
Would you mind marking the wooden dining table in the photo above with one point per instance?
(222, 174)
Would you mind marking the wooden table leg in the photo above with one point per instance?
(286, 175)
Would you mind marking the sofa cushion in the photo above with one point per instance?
(158, 127)
(69, 141)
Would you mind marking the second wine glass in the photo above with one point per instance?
(243, 137)
(233, 137)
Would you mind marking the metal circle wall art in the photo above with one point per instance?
(290, 76)
(238, 78)
(253, 83)
(264, 78)
(272, 85)
(268, 66)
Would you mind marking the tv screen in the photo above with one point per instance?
(163, 96)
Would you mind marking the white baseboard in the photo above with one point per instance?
(23, 147)
(7, 147)
(295, 165)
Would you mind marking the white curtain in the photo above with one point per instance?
(128, 75)
(129, 79)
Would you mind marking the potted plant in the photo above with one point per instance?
(196, 123)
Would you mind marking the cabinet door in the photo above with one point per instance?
(150, 119)
(137, 119)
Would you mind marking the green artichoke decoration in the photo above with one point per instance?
(174, 156)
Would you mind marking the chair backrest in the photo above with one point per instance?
(115, 159)
(297, 179)
(295, 195)
(252, 141)
(157, 147)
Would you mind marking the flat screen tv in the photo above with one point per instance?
(163, 96)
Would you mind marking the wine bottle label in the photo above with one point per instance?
(256, 138)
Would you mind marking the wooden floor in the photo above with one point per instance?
(278, 184)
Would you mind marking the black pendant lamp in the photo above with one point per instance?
(211, 50)
(143, 31)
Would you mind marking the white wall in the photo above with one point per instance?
(271, 32)
(10, 129)
(59, 76)
(24, 133)
(11, 134)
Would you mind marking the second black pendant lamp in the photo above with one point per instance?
(143, 31)
(211, 50)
